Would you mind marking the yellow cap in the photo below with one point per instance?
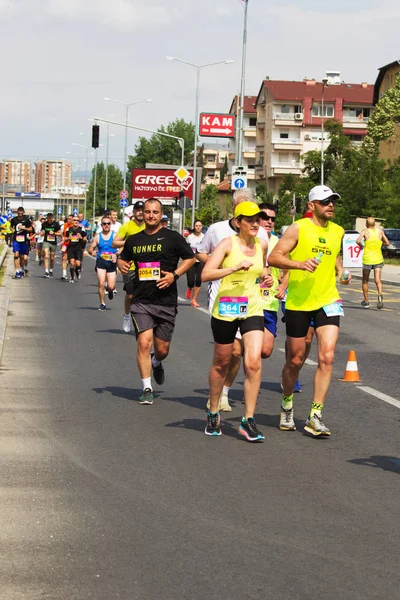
(247, 209)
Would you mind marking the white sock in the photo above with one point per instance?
(146, 382)
(51, 270)
(225, 390)
(64, 273)
(155, 362)
(126, 316)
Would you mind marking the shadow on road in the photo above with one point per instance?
(120, 392)
(387, 463)
(117, 331)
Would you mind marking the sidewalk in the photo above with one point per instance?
(390, 274)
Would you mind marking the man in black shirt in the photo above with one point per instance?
(20, 226)
(76, 235)
(51, 230)
(156, 252)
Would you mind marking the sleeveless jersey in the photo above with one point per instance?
(311, 291)
(104, 247)
(241, 287)
(373, 249)
(268, 294)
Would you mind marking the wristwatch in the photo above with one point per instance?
(176, 276)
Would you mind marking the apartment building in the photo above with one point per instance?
(388, 149)
(51, 174)
(290, 115)
(17, 175)
(213, 161)
(249, 137)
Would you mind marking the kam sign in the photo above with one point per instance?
(160, 183)
(216, 125)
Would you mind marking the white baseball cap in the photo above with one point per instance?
(322, 192)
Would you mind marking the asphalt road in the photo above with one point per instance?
(102, 498)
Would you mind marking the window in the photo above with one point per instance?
(285, 109)
(358, 112)
(253, 121)
(284, 135)
(211, 158)
(298, 109)
(284, 158)
(328, 110)
(211, 174)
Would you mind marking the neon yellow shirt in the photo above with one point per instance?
(373, 249)
(240, 289)
(268, 294)
(311, 291)
(127, 229)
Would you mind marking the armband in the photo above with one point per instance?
(176, 276)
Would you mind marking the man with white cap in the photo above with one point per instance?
(309, 249)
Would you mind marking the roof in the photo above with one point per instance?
(224, 186)
(381, 75)
(352, 93)
(249, 105)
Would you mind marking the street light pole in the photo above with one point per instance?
(196, 120)
(324, 82)
(95, 184)
(239, 157)
(106, 185)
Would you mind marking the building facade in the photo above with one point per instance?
(249, 138)
(389, 150)
(51, 174)
(17, 175)
(214, 157)
(290, 117)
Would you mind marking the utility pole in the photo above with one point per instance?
(239, 158)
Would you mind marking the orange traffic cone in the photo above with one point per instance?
(351, 372)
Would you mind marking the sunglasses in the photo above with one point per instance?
(326, 202)
(106, 223)
(268, 218)
(75, 220)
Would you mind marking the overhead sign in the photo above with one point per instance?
(75, 212)
(217, 125)
(27, 194)
(352, 253)
(159, 183)
(123, 202)
(123, 194)
(239, 178)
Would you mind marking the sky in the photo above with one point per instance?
(59, 58)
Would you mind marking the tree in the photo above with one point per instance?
(115, 183)
(223, 172)
(209, 210)
(161, 149)
(381, 124)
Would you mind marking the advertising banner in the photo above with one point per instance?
(352, 253)
(159, 183)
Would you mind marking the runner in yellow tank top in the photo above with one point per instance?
(310, 250)
(373, 238)
(239, 261)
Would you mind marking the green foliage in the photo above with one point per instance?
(263, 195)
(115, 183)
(161, 149)
(386, 113)
(223, 172)
(209, 211)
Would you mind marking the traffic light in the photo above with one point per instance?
(8, 204)
(95, 136)
(298, 205)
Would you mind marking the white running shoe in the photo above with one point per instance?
(126, 323)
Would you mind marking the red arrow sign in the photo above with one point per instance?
(217, 125)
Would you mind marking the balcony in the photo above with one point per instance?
(349, 119)
(285, 118)
(287, 143)
(249, 152)
(249, 131)
(286, 168)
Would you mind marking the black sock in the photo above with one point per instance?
(72, 273)
(77, 271)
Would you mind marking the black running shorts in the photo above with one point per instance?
(224, 332)
(298, 321)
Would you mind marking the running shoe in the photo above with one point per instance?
(47, 274)
(110, 294)
(188, 293)
(79, 275)
(224, 405)
(380, 301)
(316, 427)
(72, 280)
(51, 273)
(297, 387)
(115, 292)
(126, 323)
(213, 426)
(158, 372)
(365, 304)
(286, 422)
(147, 397)
(63, 278)
(102, 307)
(249, 429)
(26, 273)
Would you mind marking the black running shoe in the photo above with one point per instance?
(147, 397)
(158, 372)
(110, 294)
(51, 273)
(213, 426)
(47, 274)
(249, 429)
(102, 307)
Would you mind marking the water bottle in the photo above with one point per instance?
(344, 279)
(319, 256)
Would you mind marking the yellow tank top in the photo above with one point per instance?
(268, 294)
(311, 291)
(239, 293)
(373, 249)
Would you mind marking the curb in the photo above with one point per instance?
(5, 292)
(384, 281)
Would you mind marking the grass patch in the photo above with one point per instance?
(2, 273)
(392, 261)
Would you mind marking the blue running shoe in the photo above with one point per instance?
(297, 387)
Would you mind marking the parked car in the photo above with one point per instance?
(393, 235)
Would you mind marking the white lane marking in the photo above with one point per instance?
(204, 310)
(308, 361)
(379, 395)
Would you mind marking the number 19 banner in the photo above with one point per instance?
(352, 253)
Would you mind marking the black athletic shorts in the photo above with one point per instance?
(224, 332)
(129, 282)
(75, 252)
(298, 321)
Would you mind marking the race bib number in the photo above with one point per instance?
(149, 271)
(264, 291)
(233, 306)
(334, 310)
(51, 237)
(20, 238)
(73, 238)
(106, 256)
